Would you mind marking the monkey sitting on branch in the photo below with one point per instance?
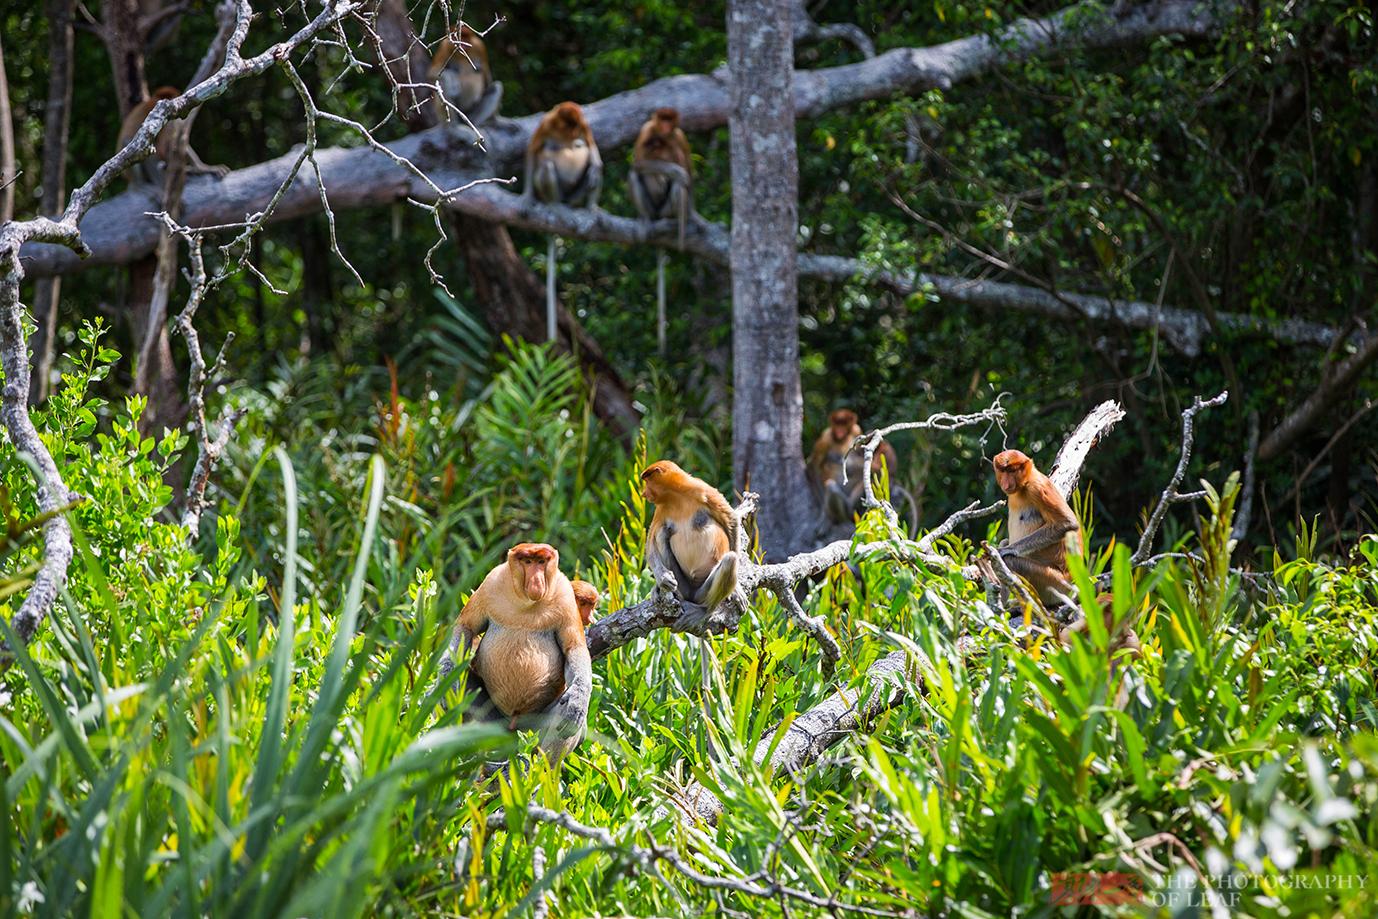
(150, 171)
(661, 183)
(563, 166)
(464, 82)
(532, 663)
(690, 543)
(835, 469)
(1043, 530)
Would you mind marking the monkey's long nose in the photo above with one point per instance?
(535, 584)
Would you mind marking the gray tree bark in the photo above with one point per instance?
(7, 172)
(768, 402)
(57, 121)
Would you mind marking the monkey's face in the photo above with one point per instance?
(586, 598)
(1011, 470)
(841, 422)
(533, 566)
(656, 479)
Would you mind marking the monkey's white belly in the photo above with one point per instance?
(532, 672)
(697, 551)
(570, 163)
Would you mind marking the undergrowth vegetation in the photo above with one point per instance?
(248, 722)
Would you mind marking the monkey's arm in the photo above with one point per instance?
(195, 166)
(1047, 535)
(488, 103)
(662, 561)
(593, 177)
(674, 172)
(1058, 520)
(721, 511)
(473, 622)
(530, 190)
(641, 199)
(567, 716)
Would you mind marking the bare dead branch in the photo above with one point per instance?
(209, 448)
(760, 884)
(845, 712)
(1171, 494)
(52, 492)
(1246, 497)
(662, 611)
(541, 908)
(1335, 380)
(1072, 456)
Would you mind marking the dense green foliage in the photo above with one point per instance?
(250, 726)
(1239, 174)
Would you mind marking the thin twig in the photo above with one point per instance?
(1171, 495)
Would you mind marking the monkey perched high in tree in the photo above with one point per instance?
(661, 183)
(460, 71)
(150, 171)
(532, 664)
(562, 167)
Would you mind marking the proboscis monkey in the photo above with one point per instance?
(832, 455)
(150, 171)
(586, 596)
(562, 167)
(460, 69)
(1041, 525)
(689, 545)
(532, 661)
(661, 183)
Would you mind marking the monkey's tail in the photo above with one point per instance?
(550, 289)
(661, 259)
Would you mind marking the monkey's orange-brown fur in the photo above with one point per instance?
(531, 644)
(830, 454)
(586, 596)
(691, 534)
(1041, 526)
(460, 68)
(562, 161)
(148, 171)
(661, 179)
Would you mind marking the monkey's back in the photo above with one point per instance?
(532, 673)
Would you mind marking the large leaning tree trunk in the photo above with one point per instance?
(767, 401)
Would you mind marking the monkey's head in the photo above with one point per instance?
(1012, 470)
(659, 479)
(567, 119)
(533, 566)
(666, 120)
(165, 92)
(586, 598)
(843, 424)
